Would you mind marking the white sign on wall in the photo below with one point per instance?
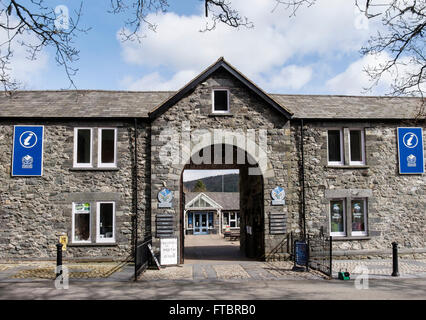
(168, 251)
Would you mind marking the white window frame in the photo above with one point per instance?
(98, 218)
(227, 96)
(362, 162)
(234, 220)
(342, 150)
(338, 234)
(73, 224)
(361, 233)
(106, 164)
(75, 163)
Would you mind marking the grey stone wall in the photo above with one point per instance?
(396, 203)
(35, 211)
(247, 112)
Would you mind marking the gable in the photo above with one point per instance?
(220, 64)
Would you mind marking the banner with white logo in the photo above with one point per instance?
(410, 150)
(27, 157)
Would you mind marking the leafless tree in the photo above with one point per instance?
(45, 28)
(401, 37)
(37, 19)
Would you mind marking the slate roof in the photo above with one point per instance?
(81, 104)
(227, 200)
(349, 107)
(131, 104)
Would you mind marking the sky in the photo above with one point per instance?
(314, 52)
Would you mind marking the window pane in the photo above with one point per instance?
(334, 146)
(83, 146)
(336, 214)
(190, 219)
(82, 227)
(356, 145)
(106, 216)
(108, 146)
(220, 100)
(358, 215)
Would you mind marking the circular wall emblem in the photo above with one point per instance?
(278, 193)
(165, 196)
(410, 140)
(28, 139)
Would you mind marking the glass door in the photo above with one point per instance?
(200, 223)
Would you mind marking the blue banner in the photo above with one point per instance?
(410, 150)
(27, 157)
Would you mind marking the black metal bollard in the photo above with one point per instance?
(395, 272)
(58, 259)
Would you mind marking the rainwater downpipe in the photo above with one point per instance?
(135, 192)
(302, 169)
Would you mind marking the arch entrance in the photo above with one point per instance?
(250, 219)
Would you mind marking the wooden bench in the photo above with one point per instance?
(232, 234)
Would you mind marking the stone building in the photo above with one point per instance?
(112, 165)
(211, 212)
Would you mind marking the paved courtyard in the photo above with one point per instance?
(208, 258)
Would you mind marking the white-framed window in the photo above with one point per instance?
(337, 218)
(356, 147)
(107, 147)
(359, 217)
(335, 146)
(81, 221)
(220, 101)
(105, 221)
(83, 147)
(231, 219)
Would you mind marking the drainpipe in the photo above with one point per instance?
(302, 169)
(135, 192)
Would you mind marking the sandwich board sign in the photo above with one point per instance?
(410, 151)
(27, 159)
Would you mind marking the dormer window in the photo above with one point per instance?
(220, 99)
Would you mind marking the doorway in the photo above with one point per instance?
(248, 242)
(200, 223)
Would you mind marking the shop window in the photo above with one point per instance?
(81, 223)
(231, 219)
(337, 218)
(82, 147)
(107, 138)
(335, 147)
(356, 147)
(190, 220)
(105, 222)
(359, 217)
(220, 101)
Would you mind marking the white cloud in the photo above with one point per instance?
(154, 81)
(23, 69)
(290, 77)
(327, 29)
(354, 80)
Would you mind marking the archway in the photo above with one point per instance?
(251, 194)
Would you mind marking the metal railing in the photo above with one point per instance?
(142, 256)
(320, 253)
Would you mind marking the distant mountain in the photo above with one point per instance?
(214, 184)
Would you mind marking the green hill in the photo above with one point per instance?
(214, 184)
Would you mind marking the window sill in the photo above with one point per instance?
(221, 114)
(351, 238)
(345, 166)
(98, 244)
(94, 169)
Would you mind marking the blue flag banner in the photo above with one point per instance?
(27, 157)
(410, 151)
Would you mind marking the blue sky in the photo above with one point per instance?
(316, 52)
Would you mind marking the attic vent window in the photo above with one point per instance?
(220, 101)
